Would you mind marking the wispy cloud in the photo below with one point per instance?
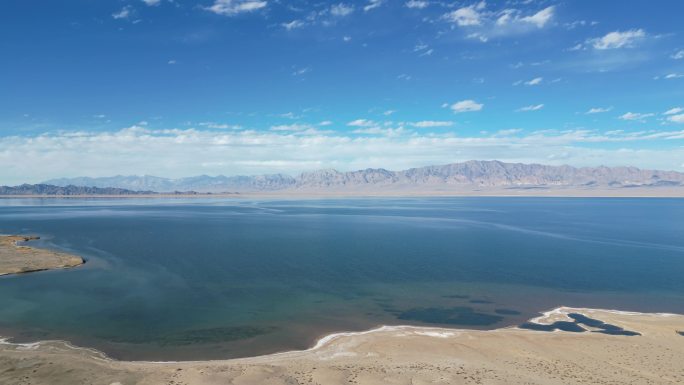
(301, 71)
(373, 4)
(432, 123)
(362, 123)
(294, 24)
(534, 82)
(417, 4)
(124, 13)
(483, 24)
(533, 107)
(679, 55)
(598, 110)
(152, 3)
(295, 127)
(673, 111)
(618, 39)
(636, 116)
(235, 7)
(341, 10)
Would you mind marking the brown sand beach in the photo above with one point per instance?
(398, 355)
(17, 258)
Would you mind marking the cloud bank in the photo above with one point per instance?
(186, 152)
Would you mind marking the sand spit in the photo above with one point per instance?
(17, 258)
(396, 355)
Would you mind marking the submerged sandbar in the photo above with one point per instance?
(16, 258)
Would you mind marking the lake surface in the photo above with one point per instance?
(198, 279)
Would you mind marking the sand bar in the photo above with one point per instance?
(397, 355)
(17, 258)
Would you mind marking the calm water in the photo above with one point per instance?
(196, 279)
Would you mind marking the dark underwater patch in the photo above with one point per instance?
(460, 315)
(575, 326)
(198, 336)
(506, 312)
(480, 301)
(566, 326)
(605, 328)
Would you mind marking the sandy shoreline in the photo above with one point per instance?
(397, 355)
(17, 258)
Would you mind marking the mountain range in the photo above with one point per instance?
(70, 190)
(471, 175)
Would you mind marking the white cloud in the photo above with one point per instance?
(534, 82)
(467, 16)
(598, 110)
(539, 19)
(124, 13)
(390, 132)
(432, 123)
(674, 76)
(673, 111)
(372, 4)
(292, 127)
(389, 112)
(618, 39)
(301, 71)
(635, 116)
(678, 55)
(152, 2)
(533, 107)
(172, 61)
(176, 153)
(235, 7)
(508, 132)
(466, 106)
(362, 123)
(289, 115)
(576, 47)
(483, 24)
(325, 123)
(417, 4)
(294, 24)
(341, 10)
(221, 126)
(676, 118)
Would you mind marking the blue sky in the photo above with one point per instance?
(177, 88)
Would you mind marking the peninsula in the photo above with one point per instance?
(17, 258)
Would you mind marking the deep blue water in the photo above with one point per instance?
(193, 279)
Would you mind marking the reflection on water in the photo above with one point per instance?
(194, 278)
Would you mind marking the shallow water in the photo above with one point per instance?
(219, 278)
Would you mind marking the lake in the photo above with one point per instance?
(180, 279)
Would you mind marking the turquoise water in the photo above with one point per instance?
(199, 279)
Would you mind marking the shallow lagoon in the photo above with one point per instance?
(196, 278)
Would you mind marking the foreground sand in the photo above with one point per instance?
(397, 355)
(16, 258)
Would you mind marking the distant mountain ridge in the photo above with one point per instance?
(467, 175)
(46, 189)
